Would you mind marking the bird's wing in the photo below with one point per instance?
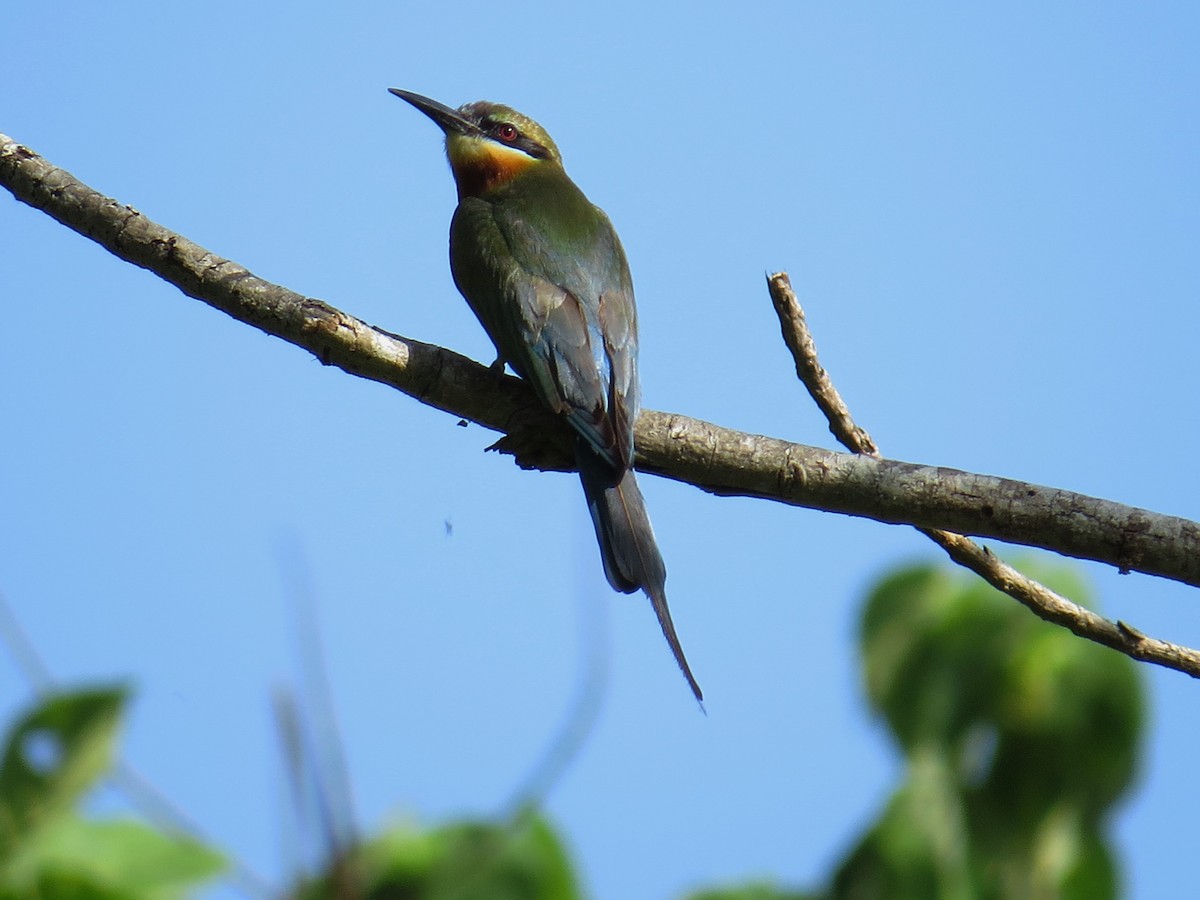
(563, 318)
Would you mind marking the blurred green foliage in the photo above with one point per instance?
(754, 891)
(523, 860)
(1018, 739)
(53, 756)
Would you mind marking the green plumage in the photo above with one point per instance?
(545, 273)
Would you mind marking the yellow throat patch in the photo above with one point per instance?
(482, 165)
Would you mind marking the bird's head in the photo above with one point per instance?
(488, 144)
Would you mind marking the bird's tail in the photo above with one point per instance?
(627, 545)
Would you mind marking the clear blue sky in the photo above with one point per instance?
(992, 217)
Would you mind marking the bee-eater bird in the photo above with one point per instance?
(545, 274)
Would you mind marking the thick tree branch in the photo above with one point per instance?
(1037, 597)
(716, 459)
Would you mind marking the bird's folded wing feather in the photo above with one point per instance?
(563, 321)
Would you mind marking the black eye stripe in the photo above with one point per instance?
(533, 148)
(516, 139)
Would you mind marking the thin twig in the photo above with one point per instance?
(1037, 597)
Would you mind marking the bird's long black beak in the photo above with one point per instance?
(447, 119)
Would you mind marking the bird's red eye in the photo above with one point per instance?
(507, 132)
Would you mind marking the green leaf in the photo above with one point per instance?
(757, 890)
(920, 846)
(1018, 736)
(120, 857)
(64, 886)
(52, 756)
(461, 861)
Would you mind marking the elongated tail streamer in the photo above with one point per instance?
(630, 553)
